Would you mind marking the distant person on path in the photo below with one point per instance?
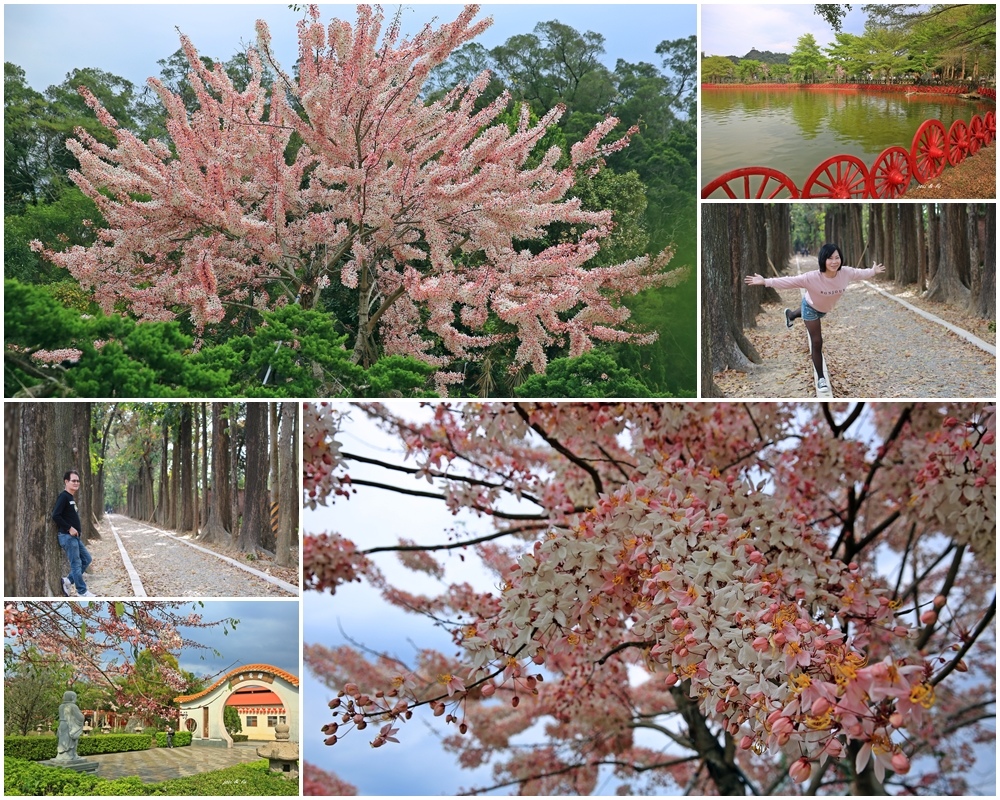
(70, 728)
(67, 520)
(170, 736)
(823, 288)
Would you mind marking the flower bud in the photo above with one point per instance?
(746, 743)
(896, 720)
(939, 601)
(928, 617)
(760, 644)
(488, 690)
(900, 763)
(671, 679)
(820, 706)
(800, 770)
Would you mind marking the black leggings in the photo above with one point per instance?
(816, 337)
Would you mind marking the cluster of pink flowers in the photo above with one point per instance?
(729, 593)
(419, 209)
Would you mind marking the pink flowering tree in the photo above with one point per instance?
(340, 177)
(103, 643)
(763, 598)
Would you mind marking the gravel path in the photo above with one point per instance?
(874, 348)
(168, 566)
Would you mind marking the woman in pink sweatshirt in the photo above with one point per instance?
(822, 291)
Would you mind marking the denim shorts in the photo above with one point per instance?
(809, 313)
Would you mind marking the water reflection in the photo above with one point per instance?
(794, 130)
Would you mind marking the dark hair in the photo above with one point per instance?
(70, 472)
(825, 252)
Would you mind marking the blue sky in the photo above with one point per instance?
(734, 30)
(48, 41)
(267, 633)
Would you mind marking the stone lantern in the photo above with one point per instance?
(282, 755)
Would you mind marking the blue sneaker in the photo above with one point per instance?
(788, 318)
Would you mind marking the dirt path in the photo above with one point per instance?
(874, 347)
(164, 564)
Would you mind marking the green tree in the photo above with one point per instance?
(231, 719)
(594, 374)
(31, 695)
(717, 68)
(749, 70)
(806, 61)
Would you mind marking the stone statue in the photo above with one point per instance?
(70, 728)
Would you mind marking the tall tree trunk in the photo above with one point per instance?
(44, 452)
(173, 520)
(907, 262)
(234, 486)
(163, 498)
(921, 248)
(946, 285)
(215, 529)
(933, 241)
(889, 238)
(986, 302)
(12, 511)
(975, 256)
(722, 293)
(288, 471)
(195, 436)
(204, 463)
(88, 495)
(186, 521)
(256, 519)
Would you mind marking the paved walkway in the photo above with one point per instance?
(164, 763)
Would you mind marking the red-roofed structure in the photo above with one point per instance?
(264, 697)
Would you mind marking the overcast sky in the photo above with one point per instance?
(267, 633)
(48, 41)
(735, 30)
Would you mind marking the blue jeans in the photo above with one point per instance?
(79, 559)
(809, 313)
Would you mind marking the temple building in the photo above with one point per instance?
(263, 696)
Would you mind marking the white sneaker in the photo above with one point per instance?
(67, 584)
(822, 385)
(87, 594)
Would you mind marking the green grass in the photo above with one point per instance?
(253, 779)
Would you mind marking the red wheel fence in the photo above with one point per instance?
(844, 177)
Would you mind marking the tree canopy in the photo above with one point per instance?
(248, 197)
(710, 598)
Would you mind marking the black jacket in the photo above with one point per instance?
(65, 514)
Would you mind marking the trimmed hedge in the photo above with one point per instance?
(240, 737)
(181, 738)
(41, 748)
(25, 778)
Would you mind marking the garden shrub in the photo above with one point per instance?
(41, 748)
(29, 779)
(240, 737)
(181, 738)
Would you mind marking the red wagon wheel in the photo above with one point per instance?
(752, 183)
(958, 142)
(839, 177)
(890, 174)
(991, 125)
(977, 134)
(929, 150)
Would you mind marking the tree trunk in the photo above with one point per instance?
(12, 511)
(173, 518)
(719, 763)
(204, 464)
(946, 285)
(88, 495)
(256, 519)
(234, 460)
(43, 453)
(906, 264)
(288, 471)
(933, 241)
(921, 249)
(215, 529)
(986, 302)
(163, 498)
(721, 294)
(186, 521)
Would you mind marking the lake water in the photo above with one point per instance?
(794, 130)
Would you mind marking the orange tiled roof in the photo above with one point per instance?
(238, 671)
